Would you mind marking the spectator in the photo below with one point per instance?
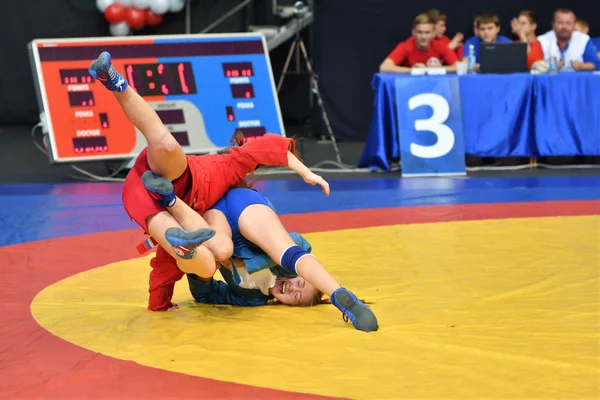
(524, 27)
(439, 19)
(488, 27)
(420, 50)
(574, 50)
(475, 25)
(581, 25)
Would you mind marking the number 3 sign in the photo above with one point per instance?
(430, 126)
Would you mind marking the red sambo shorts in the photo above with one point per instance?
(138, 203)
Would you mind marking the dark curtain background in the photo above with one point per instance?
(348, 41)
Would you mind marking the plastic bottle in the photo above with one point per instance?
(471, 60)
(552, 65)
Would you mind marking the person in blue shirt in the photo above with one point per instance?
(251, 220)
(581, 25)
(596, 42)
(488, 27)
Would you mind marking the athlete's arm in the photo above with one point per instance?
(309, 177)
(211, 291)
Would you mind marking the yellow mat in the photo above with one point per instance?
(498, 309)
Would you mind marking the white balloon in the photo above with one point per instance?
(159, 6)
(140, 4)
(103, 4)
(126, 3)
(176, 5)
(120, 29)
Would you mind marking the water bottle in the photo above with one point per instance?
(471, 60)
(553, 68)
(552, 64)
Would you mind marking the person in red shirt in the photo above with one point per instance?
(200, 181)
(524, 27)
(439, 20)
(421, 50)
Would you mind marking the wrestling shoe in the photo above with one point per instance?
(354, 310)
(103, 70)
(185, 243)
(161, 189)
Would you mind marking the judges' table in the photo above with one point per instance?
(502, 115)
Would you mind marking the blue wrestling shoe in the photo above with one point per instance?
(354, 310)
(160, 188)
(103, 70)
(185, 243)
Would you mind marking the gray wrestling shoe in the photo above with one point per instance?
(161, 189)
(185, 243)
(362, 317)
(103, 70)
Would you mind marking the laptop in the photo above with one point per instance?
(503, 58)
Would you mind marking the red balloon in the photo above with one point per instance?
(135, 18)
(153, 19)
(114, 13)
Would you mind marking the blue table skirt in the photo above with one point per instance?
(503, 115)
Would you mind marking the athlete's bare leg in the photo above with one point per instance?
(165, 156)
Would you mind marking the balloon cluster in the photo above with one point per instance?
(125, 16)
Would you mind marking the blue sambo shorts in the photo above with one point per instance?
(234, 203)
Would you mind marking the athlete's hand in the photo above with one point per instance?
(314, 179)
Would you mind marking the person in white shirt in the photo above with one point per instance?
(574, 51)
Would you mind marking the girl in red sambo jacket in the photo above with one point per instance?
(200, 181)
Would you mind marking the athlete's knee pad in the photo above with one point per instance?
(290, 258)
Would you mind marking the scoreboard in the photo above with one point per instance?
(203, 88)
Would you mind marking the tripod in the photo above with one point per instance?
(296, 48)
